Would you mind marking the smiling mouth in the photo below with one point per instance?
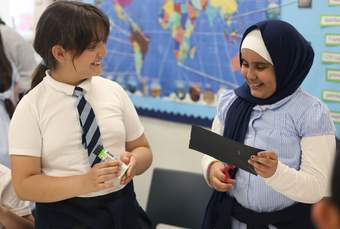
(96, 63)
(255, 86)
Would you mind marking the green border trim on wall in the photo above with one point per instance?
(328, 70)
(329, 24)
(332, 34)
(337, 113)
(330, 100)
(330, 62)
(336, 3)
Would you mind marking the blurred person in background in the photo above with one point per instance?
(326, 213)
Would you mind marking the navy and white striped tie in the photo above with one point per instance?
(91, 133)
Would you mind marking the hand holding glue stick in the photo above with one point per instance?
(105, 155)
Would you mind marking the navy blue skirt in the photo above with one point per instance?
(117, 210)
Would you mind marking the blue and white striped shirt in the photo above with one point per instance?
(278, 127)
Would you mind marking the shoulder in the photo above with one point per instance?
(35, 93)
(98, 81)
(108, 86)
(31, 100)
(304, 102)
(224, 102)
(311, 116)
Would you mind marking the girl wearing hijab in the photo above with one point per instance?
(270, 111)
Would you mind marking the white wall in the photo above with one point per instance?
(169, 142)
(4, 12)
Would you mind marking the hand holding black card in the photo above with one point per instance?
(221, 148)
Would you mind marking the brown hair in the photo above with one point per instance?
(70, 24)
(5, 77)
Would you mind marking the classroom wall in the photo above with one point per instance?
(4, 11)
(307, 22)
(169, 142)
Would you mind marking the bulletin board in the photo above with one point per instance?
(320, 24)
(174, 57)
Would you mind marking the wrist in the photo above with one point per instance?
(86, 184)
(209, 170)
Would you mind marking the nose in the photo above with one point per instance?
(251, 75)
(102, 49)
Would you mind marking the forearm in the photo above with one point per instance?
(41, 188)
(143, 157)
(311, 182)
(12, 221)
(298, 185)
(206, 162)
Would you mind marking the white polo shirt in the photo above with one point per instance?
(46, 124)
(8, 198)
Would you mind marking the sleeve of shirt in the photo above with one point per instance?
(315, 121)
(133, 125)
(312, 181)
(24, 133)
(206, 159)
(224, 102)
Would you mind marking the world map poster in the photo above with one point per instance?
(174, 57)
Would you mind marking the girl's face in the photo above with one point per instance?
(89, 63)
(258, 73)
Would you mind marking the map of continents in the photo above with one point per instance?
(178, 43)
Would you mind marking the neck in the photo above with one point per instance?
(68, 76)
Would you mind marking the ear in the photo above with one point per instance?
(325, 215)
(60, 54)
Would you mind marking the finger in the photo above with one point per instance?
(257, 166)
(126, 180)
(131, 167)
(268, 154)
(220, 175)
(129, 171)
(264, 161)
(231, 181)
(104, 178)
(107, 164)
(132, 160)
(221, 186)
(108, 170)
(122, 179)
(125, 156)
(125, 159)
(260, 172)
(226, 189)
(260, 166)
